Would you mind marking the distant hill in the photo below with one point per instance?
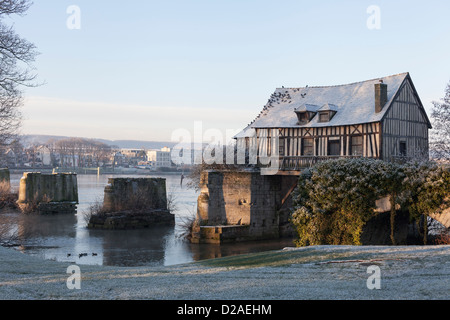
(28, 140)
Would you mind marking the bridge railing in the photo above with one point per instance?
(295, 163)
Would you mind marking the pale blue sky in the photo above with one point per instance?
(141, 69)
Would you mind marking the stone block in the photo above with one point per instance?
(50, 193)
(233, 199)
(133, 203)
(5, 178)
(121, 192)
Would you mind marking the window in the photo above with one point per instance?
(308, 147)
(357, 146)
(334, 148)
(402, 148)
(303, 117)
(281, 147)
(324, 117)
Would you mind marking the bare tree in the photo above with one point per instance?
(16, 56)
(102, 152)
(32, 149)
(82, 152)
(52, 146)
(440, 135)
(195, 174)
(8, 7)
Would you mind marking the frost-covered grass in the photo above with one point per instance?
(268, 259)
(322, 272)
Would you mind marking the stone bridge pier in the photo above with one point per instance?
(49, 193)
(133, 203)
(242, 206)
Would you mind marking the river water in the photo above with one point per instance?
(65, 237)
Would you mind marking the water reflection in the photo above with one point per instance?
(133, 247)
(66, 238)
(36, 227)
(207, 251)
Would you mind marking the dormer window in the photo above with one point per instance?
(305, 113)
(327, 112)
(304, 117)
(324, 116)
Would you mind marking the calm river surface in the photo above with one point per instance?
(64, 237)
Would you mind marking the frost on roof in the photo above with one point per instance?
(329, 107)
(307, 107)
(354, 104)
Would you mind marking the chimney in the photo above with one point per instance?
(380, 96)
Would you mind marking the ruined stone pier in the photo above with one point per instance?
(5, 179)
(127, 193)
(242, 206)
(133, 203)
(49, 193)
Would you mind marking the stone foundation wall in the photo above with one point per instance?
(52, 193)
(230, 199)
(5, 178)
(121, 191)
(222, 234)
(133, 203)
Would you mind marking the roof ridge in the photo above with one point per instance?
(340, 85)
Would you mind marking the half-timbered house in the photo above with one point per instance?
(382, 118)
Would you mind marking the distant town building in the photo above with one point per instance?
(118, 159)
(68, 160)
(160, 158)
(10, 158)
(134, 156)
(43, 155)
(132, 153)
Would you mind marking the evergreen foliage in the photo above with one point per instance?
(335, 198)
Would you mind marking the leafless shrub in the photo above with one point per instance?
(172, 205)
(95, 208)
(32, 206)
(5, 188)
(194, 175)
(138, 201)
(8, 199)
(187, 224)
(29, 207)
(440, 135)
(8, 232)
(443, 238)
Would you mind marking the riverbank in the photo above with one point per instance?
(322, 272)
